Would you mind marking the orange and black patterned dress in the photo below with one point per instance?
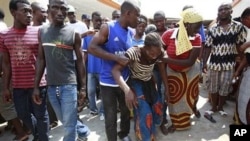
(183, 82)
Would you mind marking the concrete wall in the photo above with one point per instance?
(240, 7)
(4, 5)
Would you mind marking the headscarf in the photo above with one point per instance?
(189, 15)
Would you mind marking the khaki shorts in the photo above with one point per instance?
(219, 81)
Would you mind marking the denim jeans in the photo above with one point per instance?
(93, 83)
(34, 116)
(110, 96)
(82, 130)
(63, 99)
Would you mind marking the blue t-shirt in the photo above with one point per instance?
(94, 63)
(138, 43)
(119, 41)
(202, 33)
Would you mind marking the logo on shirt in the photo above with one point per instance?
(116, 39)
(57, 50)
(23, 54)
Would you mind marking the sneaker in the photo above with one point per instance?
(92, 113)
(102, 117)
(127, 138)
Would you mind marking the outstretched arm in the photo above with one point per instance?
(244, 46)
(184, 62)
(95, 46)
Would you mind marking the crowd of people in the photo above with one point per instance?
(50, 68)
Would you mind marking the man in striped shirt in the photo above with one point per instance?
(19, 47)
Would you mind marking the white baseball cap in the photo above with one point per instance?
(71, 8)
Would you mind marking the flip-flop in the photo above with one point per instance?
(223, 113)
(209, 112)
(197, 114)
(209, 117)
(171, 129)
(164, 129)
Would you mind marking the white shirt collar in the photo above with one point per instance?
(174, 34)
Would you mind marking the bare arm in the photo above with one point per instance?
(95, 46)
(130, 97)
(85, 56)
(244, 46)
(206, 53)
(80, 65)
(40, 64)
(6, 68)
(242, 65)
(163, 72)
(185, 62)
(201, 51)
(116, 72)
(89, 32)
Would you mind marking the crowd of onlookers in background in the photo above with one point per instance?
(51, 69)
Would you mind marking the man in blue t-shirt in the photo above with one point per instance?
(110, 44)
(93, 68)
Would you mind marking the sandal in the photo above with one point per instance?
(209, 112)
(53, 124)
(223, 113)
(164, 129)
(171, 129)
(197, 114)
(209, 117)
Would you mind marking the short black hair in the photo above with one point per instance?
(160, 13)
(1, 14)
(142, 19)
(35, 6)
(153, 39)
(238, 19)
(245, 13)
(128, 5)
(187, 7)
(50, 1)
(116, 12)
(150, 28)
(13, 4)
(85, 16)
(95, 13)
